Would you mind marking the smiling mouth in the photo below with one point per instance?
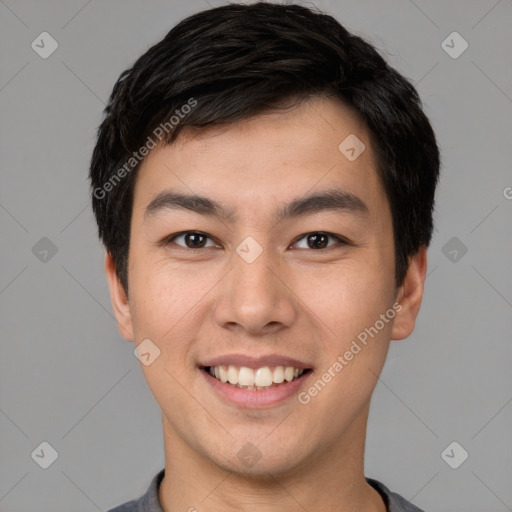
(257, 379)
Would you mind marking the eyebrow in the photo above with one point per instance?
(327, 200)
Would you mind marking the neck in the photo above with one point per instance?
(330, 479)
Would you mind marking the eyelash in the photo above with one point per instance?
(340, 240)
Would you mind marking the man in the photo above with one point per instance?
(264, 183)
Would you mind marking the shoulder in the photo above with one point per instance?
(129, 506)
(146, 503)
(394, 502)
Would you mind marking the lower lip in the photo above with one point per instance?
(253, 398)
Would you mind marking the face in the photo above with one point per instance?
(283, 269)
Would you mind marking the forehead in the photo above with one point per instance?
(268, 159)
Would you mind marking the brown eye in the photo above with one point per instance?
(319, 240)
(194, 240)
(191, 240)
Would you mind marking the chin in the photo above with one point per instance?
(258, 460)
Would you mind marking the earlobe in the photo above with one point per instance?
(410, 295)
(119, 300)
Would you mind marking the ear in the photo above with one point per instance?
(410, 295)
(119, 300)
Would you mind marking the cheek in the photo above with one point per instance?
(157, 303)
(164, 293)
(170, 304)
(355, 342)
(350, 296)
(164, 306)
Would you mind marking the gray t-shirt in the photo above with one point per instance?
(149, 502)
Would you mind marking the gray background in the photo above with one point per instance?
(69, 379)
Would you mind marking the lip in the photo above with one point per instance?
(255, 362)
(252, 398)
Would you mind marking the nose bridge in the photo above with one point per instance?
(253, 295)
(254, 275)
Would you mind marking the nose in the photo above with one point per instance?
(255, 297)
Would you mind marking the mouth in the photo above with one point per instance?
(250, 382)
(256, 379)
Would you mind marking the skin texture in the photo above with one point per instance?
(293, 300)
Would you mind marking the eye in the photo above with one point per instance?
(196, 240)
(319, 240)
(192, 239)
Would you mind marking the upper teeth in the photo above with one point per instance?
(260, 377)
